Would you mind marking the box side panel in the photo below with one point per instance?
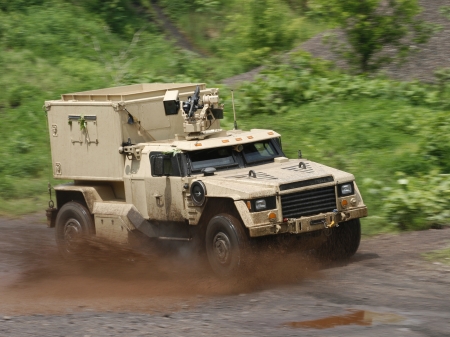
(85, 141)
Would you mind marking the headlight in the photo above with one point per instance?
(260, 204)
(347, 189)
(198, 193)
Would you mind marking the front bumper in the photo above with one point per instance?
(308, 223)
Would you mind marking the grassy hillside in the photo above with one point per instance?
(394, 136)
(245, 33)
(50, 47)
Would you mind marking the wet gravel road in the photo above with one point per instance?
(386, 289)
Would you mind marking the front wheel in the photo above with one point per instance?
(73, 224)
(343, 241)
(226, 245)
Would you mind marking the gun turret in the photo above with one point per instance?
(199, 125)
(191, 106)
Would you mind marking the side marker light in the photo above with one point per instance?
(272, 216)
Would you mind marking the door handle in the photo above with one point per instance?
(159, 200)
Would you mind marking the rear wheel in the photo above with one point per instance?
(343, 241)
(73, 224)
(226, 245)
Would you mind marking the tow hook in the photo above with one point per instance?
(332, 224)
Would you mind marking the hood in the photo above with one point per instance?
(269, 179)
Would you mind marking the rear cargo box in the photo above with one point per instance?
(87, 128)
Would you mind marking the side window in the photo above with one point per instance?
(278, 142)
(164, 164)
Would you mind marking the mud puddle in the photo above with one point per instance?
(355, 317)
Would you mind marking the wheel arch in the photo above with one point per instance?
(213, 207)
(85, 195)
(216, 206)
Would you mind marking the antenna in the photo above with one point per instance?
(234, 111)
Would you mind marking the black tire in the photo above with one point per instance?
(226, 245)
(342, 243)
(73, 224)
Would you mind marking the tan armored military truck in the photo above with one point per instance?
(151, 160)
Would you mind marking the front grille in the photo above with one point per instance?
(309, 202)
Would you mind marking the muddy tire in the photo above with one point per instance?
(226, 245)
(73, 224)
(342, 243)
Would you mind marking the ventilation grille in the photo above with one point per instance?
(296, 205)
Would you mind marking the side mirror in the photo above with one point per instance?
(161, 165)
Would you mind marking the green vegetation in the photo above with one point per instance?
(371, 26)
(445, 11)
(51, 47)
(394, 136)
(442, 255)
(244, 33)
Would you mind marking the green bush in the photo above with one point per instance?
(177, 8)
(19, 94)
(415, 202)
(435, 136)
(256, 30)
(18, 5)
(370, 27)
(242, 33)
(7, 188)
(118, 14)
(304, 80)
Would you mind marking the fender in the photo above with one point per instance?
(91, 194)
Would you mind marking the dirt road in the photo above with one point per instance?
(387, 289)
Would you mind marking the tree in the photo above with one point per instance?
(371, 27)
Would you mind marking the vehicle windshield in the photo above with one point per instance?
(227, 157)
(263, 151)
(221, 157)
